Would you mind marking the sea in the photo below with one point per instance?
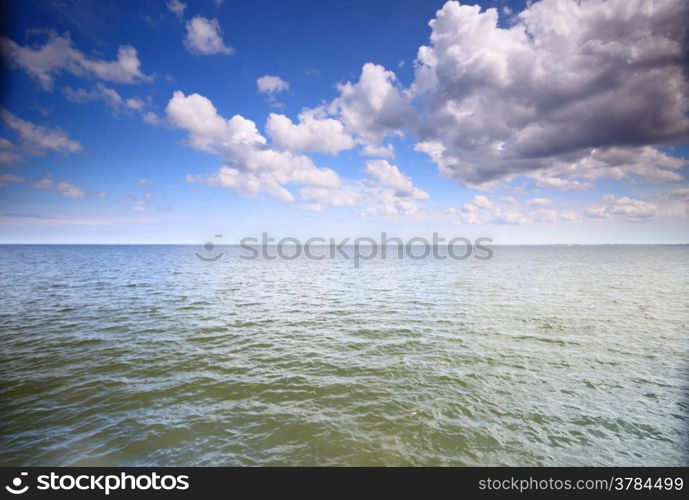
(153, 356)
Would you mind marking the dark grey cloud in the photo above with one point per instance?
(567, 92)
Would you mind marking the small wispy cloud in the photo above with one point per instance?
(271, 84)
(33, 140)
(631, 209)
(27, 220)
(65, 188)
(204, 37)
(58, 55)
(177, 8)
(10, 178)
(139, 203)
(114, 101)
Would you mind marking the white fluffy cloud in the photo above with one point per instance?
(204, 37)
(365, 112)
(311, 134)
(33, 140)
(252, 166)
(386, 191)
(373, 108)
(571, 93)
(58, 54)
(389, 176)
(270, 84)
(572, 90)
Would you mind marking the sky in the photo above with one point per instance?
(170, 122)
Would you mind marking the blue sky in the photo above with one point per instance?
(171, 122)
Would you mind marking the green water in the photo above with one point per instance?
(150, 356)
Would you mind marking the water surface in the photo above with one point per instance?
(144, 355)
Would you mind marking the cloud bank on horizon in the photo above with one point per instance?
(525, 115)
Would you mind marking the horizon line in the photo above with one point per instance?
(347, 245)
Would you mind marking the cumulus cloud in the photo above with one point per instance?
(385, 191)
(204, 37)
(33, 140)
(311, 134)
(628, 208)
(251, 165)
(373, 108)
(269, 84)
(58, 54)
(572, 90)
(388, 175)
(571, 93)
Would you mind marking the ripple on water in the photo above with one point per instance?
(147, 356)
